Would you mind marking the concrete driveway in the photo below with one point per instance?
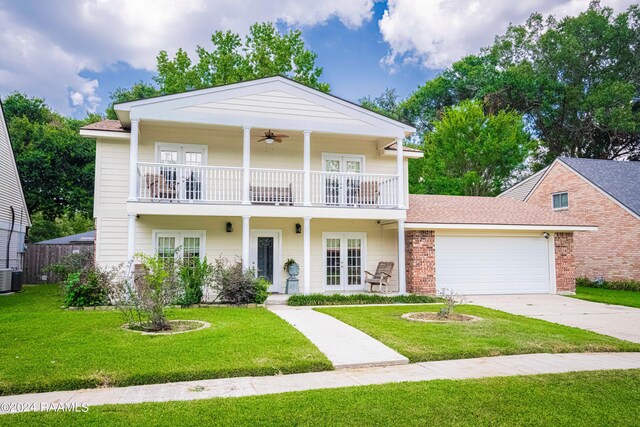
(614, 320)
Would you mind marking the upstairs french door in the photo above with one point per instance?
(342, 187)
(344, 261)
(186, 183)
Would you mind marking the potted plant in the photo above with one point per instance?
(291, 267)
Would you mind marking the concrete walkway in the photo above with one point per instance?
(614, 320)
(344, 345)
(528, 364)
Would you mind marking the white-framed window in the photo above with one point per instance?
(344, 260)
(560, 200)
(181, 154)
(185, 244)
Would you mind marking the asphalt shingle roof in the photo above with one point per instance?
(432, 209)
(88, 237)
(619, 179)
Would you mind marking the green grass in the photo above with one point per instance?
(576, 399)
(608, 296)
(498, 334)
(43, 347)
(358, 299)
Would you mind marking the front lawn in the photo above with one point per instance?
(44, 347)
(498, 334)
(608, 296)
(576, 399)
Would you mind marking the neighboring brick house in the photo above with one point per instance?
(601, 192)
(487, 245)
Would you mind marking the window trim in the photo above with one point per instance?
(326, 156)
(559, 193)
(159, 145)
(179, 236)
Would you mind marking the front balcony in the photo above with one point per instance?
(172, 183)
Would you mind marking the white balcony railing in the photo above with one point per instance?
(214, 184)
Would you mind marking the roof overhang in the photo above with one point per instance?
(105, 134)
(490, 227)
(216, 105)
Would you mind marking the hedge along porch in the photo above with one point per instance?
(482, 245)
(340, 249)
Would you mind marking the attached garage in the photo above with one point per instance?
(493, 264)
(487, 245)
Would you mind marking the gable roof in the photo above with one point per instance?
(487, 211)
(619, 179)
(521, 190)
(86, 238)
(11, 193)
(275, 102)
(106, 125)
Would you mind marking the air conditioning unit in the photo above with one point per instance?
(5, 280)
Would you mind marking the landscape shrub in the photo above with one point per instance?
(617, 285)
(195, 275)
(87, 288)
(357, 299)
(236, 285)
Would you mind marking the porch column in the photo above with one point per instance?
(133, 161)
(402, 280)
(245, 241)
(400, 172)
(246, 164)
(307, 168)
(306, 258)
(131, 237)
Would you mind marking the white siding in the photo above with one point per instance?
(10, 188)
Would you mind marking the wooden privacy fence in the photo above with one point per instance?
(37, 257)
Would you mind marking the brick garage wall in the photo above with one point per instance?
(420, 247)
(611, 252)
(565, 262)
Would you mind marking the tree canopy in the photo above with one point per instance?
(55, 163)
(576, 81)
(472, 153)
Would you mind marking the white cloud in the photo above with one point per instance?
(45, 45)
(439, 32)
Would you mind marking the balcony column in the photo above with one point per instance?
(306, 257)
(133, 161)
(246, 164)
(307, 168)
(402, 272)
(246, 232)
(400, 171)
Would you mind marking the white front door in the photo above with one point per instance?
(188, 182)
(265, 256)
(342, 186)
(344, 261)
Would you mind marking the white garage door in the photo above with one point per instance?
(488, 264)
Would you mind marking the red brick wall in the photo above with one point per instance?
(613, 251)
(420, 246)
(565, 263)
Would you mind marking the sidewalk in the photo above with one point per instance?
(344, 345)
(527, 364)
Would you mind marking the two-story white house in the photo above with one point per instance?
(209, 173)
(200, 171)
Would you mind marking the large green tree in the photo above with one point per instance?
(55, 163)
(576, 81)
(470, 152)
(264, 52)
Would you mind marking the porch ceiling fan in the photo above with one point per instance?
(270, 137)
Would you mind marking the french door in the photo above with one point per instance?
(342, 184)
(186, 182)
(344, 260)
(265, 256)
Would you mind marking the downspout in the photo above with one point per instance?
(13, 223)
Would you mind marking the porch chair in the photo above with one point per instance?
(381, 277)
(369, 192)
(159, 188)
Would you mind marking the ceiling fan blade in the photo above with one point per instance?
(263, 139)
(277, 139)
(281, 136)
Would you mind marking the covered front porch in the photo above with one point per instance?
(333, 254)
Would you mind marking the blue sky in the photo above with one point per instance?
(74, 53)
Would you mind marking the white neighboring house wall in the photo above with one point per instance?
(11, 195)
